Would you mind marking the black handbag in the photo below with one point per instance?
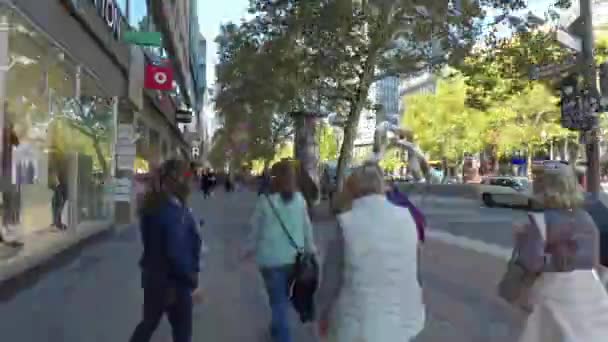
(304, 279)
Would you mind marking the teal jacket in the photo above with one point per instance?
(269, 241)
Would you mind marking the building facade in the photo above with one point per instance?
(75, 118)
(425, 83)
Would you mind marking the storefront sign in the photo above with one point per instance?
(153, 39)
(110, 13)
(158, 77)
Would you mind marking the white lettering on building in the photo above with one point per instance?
(110, 13)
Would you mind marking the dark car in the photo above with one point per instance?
(598, 210)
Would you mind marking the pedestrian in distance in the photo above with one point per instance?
(370, 288)
(206, 183)
(170, 263)
(279, 224)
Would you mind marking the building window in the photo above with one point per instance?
(57, 138)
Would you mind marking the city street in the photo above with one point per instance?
(95, 297)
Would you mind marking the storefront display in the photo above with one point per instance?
(58, 124)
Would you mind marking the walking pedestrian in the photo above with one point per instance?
(559, 251)
(264, 183)
(171, 256)
(228, 186)
(370, 285)
(206, 183)
(280, 220)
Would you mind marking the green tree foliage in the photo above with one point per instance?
(328, 144)
(446, 127)
(443, 125)
(392, 160)
(323, 56)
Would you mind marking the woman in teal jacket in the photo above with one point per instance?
(271, 246)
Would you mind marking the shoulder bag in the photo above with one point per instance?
(515, 285)
(304, 279)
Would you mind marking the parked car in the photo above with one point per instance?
(507, 191)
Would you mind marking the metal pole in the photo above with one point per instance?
(590, 76)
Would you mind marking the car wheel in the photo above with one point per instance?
(487, 200)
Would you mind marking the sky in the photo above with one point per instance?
(211, 14)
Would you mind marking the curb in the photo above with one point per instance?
(41, 252)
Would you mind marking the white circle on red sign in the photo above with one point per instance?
(160, 77)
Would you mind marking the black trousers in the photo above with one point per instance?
(177, 306)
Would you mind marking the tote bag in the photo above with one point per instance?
(515, 285)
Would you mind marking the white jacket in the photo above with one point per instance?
(380, 299)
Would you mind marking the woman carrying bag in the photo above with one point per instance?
(553, 273)
(282, 242)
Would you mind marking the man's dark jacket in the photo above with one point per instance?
(172, 247)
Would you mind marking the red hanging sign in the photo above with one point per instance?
(158, 77)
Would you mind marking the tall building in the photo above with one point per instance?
(387, 99)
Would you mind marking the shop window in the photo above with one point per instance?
(42, 168)
(41, 80)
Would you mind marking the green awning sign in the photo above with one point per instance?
(153, 39)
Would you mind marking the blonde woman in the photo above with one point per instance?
(568, 301)
(370, 286)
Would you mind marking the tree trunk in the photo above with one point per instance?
(306, 148)
(352, 123)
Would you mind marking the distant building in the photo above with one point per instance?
(425, 83)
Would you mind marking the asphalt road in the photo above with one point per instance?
(95, 295)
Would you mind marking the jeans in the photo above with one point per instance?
(276, 280)
(178, 310)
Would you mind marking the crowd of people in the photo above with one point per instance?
(367, 286)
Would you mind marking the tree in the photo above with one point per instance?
(327, 142)
(442, 124)
(323, 56)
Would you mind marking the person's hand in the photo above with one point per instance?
(519, 229)
(197, 296)
(323, 327)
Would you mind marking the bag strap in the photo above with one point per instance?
(539, 221)
(292, 242)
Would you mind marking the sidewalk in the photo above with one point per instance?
(43, 245)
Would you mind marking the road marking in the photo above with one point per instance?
(470, 244)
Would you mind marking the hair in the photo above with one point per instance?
(284, 180)
(560, 188)
(365, 180)
(156, 195)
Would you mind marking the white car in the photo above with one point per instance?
(507, 191)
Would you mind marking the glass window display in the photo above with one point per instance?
(57, 142)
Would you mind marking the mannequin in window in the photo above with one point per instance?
(11, 196)
(60, 195)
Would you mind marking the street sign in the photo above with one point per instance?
(183, 116)
(152, 39)
(568, 40)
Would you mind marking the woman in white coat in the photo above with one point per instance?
(568, 301)
(377, 295)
